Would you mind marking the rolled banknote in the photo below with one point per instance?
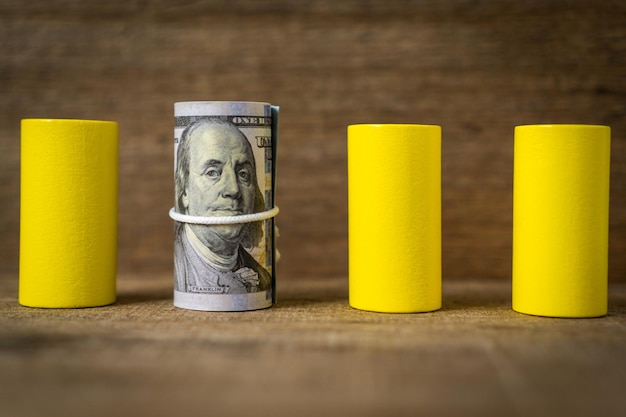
(224, 174)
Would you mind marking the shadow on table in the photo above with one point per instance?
(137, 297)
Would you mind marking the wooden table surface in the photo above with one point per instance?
(309, 355)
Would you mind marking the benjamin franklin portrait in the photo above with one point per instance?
(216, 176)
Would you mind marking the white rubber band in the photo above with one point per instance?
(244, 218)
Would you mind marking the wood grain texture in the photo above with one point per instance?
(310, 355)
(477, 68)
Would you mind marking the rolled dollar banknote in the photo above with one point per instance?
(224, 173)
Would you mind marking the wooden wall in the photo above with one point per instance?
(477, 68)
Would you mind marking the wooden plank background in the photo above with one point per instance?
(477, 68)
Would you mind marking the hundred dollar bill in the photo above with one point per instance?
(224, 167)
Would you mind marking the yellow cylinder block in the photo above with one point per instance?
(68, 213)
(560, 220)
(394, 210)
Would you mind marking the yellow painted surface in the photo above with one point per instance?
(394, 201)
(560, 221)
(68, 218)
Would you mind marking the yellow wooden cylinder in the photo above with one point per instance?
(394, 216)
(560, 220)
(68, 213)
